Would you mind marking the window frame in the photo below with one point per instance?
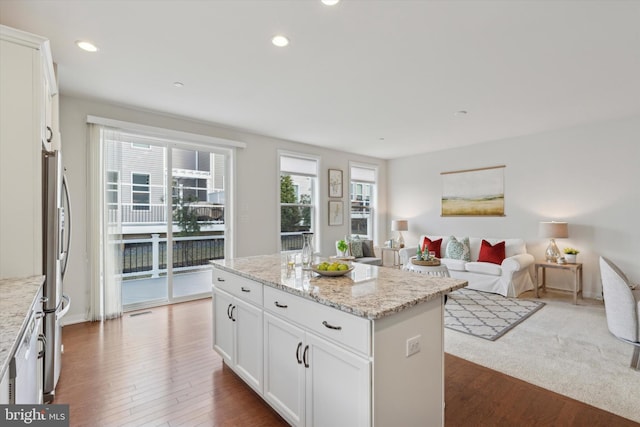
(135, 205)
(315, 197)
(367, 191)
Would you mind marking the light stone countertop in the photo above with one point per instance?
(17, 296)
(368, 291)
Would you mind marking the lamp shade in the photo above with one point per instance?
(399, 225)
(554, 230)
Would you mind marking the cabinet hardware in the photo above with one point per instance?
(50, 132)
(243, 289)
(39, 315)
(304, 356)
(298, 353)
(233, 319)
(229, 311)
(220, 279)
(280, 305)
(330, 326)
(44, 299)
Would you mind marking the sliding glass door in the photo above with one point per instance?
(168, 202)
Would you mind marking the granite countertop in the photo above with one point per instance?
(367, 291)
(18, 296)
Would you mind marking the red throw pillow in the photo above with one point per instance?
(491, 253)
(432, 246)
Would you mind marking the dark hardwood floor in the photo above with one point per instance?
(158, 369)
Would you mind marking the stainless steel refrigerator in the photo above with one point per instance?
(56, 239)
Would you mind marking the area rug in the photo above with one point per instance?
(486, 315)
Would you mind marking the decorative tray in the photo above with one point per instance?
(430, 263)
(331, 273)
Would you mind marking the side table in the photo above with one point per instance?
(396, 255)
(435, 270)
(575, 269)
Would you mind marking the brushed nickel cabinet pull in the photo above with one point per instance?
(280, 305)
(243, 289)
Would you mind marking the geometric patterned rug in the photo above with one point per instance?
(486, 315)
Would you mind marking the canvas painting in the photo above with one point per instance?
(473, 192)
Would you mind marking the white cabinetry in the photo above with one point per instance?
(27, 86)
(326, 367)
(237, 326)
(311, 381)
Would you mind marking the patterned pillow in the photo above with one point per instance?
(458, 249)
(356, 249)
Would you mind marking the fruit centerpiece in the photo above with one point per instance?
(335, 268)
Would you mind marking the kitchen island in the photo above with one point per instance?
(361, 349)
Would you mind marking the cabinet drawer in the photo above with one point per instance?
(344, 328)
(238, 286)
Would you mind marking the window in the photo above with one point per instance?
(363, 191)
(140, 193)
(112, 192)
(298, 190)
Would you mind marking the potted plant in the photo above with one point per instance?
(570, 255)
(342, 246)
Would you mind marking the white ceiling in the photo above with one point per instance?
(381, 78)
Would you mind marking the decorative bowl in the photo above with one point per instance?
(333, 273)
(430, 263)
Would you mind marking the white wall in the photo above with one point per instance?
(256, 188)
(588, 176)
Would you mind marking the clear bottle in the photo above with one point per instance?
(307, 250)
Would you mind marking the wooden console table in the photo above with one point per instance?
(576, 270)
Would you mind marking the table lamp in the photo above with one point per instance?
(554, 230)
(400, 225)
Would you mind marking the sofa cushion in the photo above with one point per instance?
(454, 264)
(484, 268)
(356, 248)
(432, 245)
(491, 253)
(367, 248)
(458, 249)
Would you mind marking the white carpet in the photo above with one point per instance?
(563, 348)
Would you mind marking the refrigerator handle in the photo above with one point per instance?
(65, 307)
(65, 190)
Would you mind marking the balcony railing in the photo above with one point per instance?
(128, 213)
(148, 256)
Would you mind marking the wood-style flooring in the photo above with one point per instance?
(158, 369)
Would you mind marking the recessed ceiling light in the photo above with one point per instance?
(330, 2)
(178, 84)
(280, 41)
(85, 45)
(461, 113)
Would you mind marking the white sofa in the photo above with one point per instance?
(509, 279)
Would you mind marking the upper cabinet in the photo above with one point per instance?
(28, 117)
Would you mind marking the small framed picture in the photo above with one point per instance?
(335, 212)
(335, 183)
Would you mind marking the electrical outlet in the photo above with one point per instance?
(413, 345)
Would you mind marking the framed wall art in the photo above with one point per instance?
(473, 192)
(335, 212)
(335, 183)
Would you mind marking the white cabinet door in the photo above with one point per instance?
(223, 325)
(248, 338)
(237, 336)
(338, 385)
(284, 372)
